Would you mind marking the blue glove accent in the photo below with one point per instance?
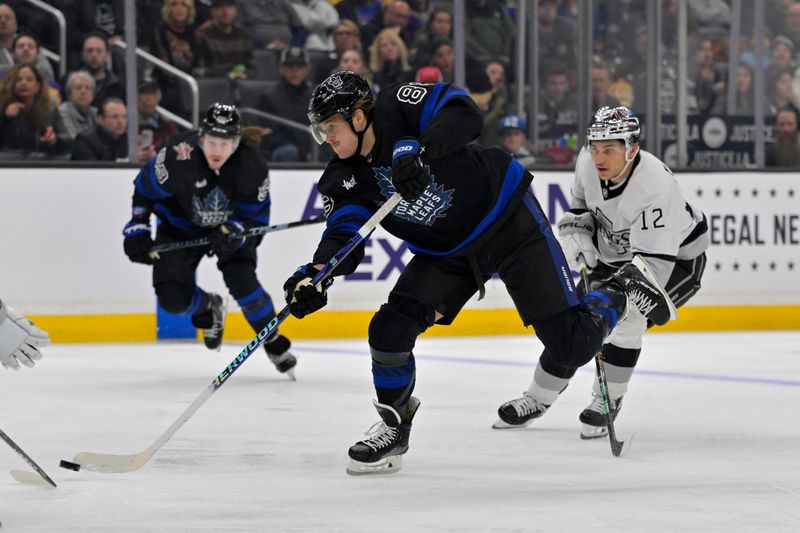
(135, 227)
(406, 147)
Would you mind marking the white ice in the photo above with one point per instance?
(717, 443)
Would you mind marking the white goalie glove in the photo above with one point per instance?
(20, 339)
(575, 233)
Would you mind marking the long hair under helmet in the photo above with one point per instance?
(339, 93)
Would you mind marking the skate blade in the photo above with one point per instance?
(501, 424)
(387, 465)
(593, 432)
(290, 374)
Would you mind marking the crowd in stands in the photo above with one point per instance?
(271, 53)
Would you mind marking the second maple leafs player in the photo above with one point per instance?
(210, 184)
(466, 214)
(626, 206)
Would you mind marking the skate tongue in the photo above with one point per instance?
(387, 414)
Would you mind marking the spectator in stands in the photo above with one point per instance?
(94, 60)
(396, 15)
(389, 60)
(492, 106)
(28, 119)
(354, 60)
(779, 90)
(514, 139)
(289, 99)
(362, 12)
(346, 36)
(557, 37)
(319, 18)
(8, 29)
(439, 25)
(496, 72)
(781, 54)
(559, 104)
(601, 82)
(428, 74)
(443, 58)
(153, 128)
(108, 140)
(273, 24)
(490, 31)
(709, 79)
(77, 113)
(25, 49)
(225, 47)
(785, 151)
(174, 42)
(744, 102)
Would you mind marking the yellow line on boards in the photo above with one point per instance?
(354, 324)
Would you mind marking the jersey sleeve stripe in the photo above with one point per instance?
(663, 257)
(441, 94)
(147, 184)
(177, 221)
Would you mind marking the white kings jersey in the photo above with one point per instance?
(645, 215)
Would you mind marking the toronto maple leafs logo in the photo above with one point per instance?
(213, 211)
(430, 205)
(618, 241)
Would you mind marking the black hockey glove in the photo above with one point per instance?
(138, 242)
(303, 298)
(409, 176)
(222, 242)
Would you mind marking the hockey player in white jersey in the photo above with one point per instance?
(20, 339)
(626, 205)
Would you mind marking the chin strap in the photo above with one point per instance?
(627, 164)
(360, 134)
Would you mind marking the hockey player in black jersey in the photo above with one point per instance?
(466, 213)
(207, 184)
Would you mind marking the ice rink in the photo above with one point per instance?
(717, 444)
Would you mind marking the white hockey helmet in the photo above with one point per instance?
(614, 123)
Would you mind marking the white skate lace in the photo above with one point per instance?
(642, 302)
(380, 435)
(525, 406)
(597, 404)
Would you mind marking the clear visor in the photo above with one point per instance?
(317, 133)
(328, 127)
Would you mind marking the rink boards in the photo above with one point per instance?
(62, 259)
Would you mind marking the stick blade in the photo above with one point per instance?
(31, 478)
(620, 448)
(110, 463)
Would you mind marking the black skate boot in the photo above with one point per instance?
(212, 322)
(382, 452)
(645, 292)
(593, 421)
(519, 412)
(278, 352)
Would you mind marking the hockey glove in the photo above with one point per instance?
(303, 297)
(223, 239)
(409, 176)
(575, 233)
(138, 241)
(19, 339)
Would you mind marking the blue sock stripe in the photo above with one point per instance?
(252, 297)
(257, 314)
(393, 377)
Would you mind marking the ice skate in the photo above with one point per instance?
(520, 412)
(382, 452)
(212, 322)
(278, 352)
(645, 292)
(593, 421)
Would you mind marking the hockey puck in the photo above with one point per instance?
(69, 466)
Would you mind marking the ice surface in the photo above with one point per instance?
(717, 441)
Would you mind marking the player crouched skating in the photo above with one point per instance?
(20, 339)
(207, 184)
(466, 214)
(627, 214)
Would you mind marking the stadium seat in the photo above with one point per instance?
(266, 64)
(248, 92)
(214, 90)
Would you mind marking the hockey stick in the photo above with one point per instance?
(110, 463)
(617, 447)
(252, 232)
(21, 475)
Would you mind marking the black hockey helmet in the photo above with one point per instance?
(337, 94)
(222, 120)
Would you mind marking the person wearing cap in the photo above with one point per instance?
(209, 183)
(514, 139)
(225, 47)
(289, 99)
